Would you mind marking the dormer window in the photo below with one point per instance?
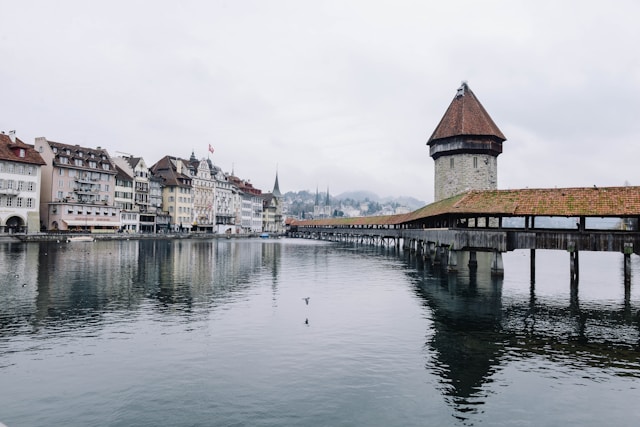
(78, 162)
(80, 154)
(22, 152)
(64, 160)
(55, 149)
(68, 152)
(105, 166)
(92, 164)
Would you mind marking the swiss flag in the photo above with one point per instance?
(210, 148)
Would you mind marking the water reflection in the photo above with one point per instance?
(475, 326)
(477, 331)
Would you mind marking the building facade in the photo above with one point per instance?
(272, 203)
(78, 188)
(20, 181)
(177, 191)
(204, 186)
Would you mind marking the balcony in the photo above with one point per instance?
(9, 191)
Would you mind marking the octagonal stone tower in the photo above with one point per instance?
(465, 147)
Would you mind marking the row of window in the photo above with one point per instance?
(92, 198)
(81, 163)
(180, 209)
(18, 202)
(17, 185)
(93, 176)
(83, 210)
(20, 169)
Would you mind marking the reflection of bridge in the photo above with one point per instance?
(471, 214)
(477, 332)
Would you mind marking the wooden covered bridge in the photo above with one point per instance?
(496, 221)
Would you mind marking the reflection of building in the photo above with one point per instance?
(20, 175)
(78, 187)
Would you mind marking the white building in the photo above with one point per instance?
(20, 183)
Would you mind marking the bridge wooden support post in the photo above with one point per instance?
(574, 264)
(437, 257)
(473, 260)
(532, 262)
(405, 243)
(628, 250)
(431, 251)
(452, 260)
(497, 267)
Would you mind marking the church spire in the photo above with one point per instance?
(276, 187)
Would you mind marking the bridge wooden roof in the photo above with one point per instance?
(564, 202)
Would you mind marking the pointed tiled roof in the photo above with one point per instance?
(466, 117)
(276, 188)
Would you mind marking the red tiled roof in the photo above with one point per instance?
(8, 151)
(564, 202)
(465, 116)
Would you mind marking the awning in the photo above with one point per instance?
(91, 223)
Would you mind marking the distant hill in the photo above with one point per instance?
(363, 195)
(301, 203)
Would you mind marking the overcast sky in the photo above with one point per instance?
(331, 94)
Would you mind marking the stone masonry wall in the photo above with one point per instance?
(464, 174)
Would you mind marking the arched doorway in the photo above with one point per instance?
(14, 224)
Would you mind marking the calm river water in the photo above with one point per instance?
(218, 333)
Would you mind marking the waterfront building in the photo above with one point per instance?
(162, 218)
(272, 221)
(204, 186)
(177, 191)
(224, 204)
(250, 202)
(465, 147)
(123, 199)
(137, 169)
(20, 180)
(78, 188)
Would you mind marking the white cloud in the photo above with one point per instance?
(341, 94)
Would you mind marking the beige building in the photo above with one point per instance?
(78, 187)
(272, 221)
(177, 191)
(20, 180)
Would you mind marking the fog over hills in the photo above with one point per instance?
(362, 195)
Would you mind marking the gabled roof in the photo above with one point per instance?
(86, 154)
(166, 168)
(10, 151)
(123, 174)
(466, 117)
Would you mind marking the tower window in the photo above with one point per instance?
(451, 163)
(475, 162)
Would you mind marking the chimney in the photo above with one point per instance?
(12, 136)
